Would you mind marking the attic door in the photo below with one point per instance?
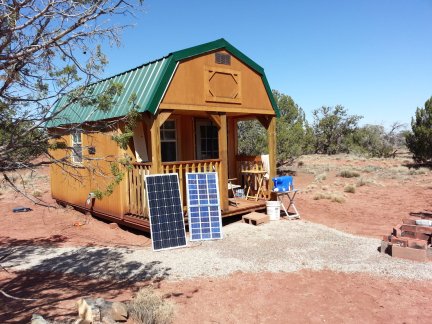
(207, 144)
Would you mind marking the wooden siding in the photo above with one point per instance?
(72, 185)
(189, 88)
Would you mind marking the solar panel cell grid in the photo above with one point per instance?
(165, 211)
(203, 206)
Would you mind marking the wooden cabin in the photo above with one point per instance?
(189, 102)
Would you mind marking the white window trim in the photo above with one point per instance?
(74, 155)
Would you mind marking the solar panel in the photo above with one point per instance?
(204, 213)
(165, 211)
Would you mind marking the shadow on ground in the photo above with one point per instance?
(60, 275)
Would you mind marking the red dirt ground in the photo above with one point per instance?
(301, 297)
(304, 296)
(373, 209)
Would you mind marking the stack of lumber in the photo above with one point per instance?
(411, 240)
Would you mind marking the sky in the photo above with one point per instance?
(374, 57)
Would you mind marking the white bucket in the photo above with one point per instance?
(273, 210)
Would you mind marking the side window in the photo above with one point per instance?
(168, 141)
(77, 146)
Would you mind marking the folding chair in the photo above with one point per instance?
(232, 187)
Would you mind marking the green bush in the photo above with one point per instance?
(419, 141)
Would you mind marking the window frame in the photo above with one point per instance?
(174, 140)
(199, 137)
(79, 144)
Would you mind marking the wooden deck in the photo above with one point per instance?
(244, 206)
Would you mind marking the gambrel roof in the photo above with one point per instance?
(149, 82)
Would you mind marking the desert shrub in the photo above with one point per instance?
(376, 141)
(252, 138)
(337, 198)
(351, 188)
(361, 182)
(331, 128)
(332, 196)
(418, 171)
(320, 195)
(348, 174)
(419, 140)
(321, 177)
(399, 170)
(371, 168)
(149, 308)
(294, 136)
(37, 193)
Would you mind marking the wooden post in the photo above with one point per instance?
(271, 132)
(156, 157)
(232, 148)
(223, 156)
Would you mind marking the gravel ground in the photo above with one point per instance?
(281, 246)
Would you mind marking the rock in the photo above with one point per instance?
(114, 225)
(119, 311)
(38, 319)
(88, 311)
(177, 294)
(101, 311)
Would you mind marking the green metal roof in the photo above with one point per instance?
(149, 82)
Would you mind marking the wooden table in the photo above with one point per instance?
(252, 175)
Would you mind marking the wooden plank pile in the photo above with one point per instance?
(411, 240)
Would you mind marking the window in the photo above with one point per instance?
(222, 58)
(168, 141)
(77, 146)
(207, 143)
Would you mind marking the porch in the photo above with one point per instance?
(136, 197)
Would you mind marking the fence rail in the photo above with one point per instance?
(137, 195)
(182, 167)
(136, 187)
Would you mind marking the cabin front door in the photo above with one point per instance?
(206, 140)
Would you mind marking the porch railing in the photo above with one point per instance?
(182, 167)
(136, 188)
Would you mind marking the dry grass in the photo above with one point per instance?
(351, 188)
(371, 168)
(348, 174)
(321, 177)
(37, 194)
(332, 196)
(149, 308)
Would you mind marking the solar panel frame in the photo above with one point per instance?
(203, 206)
(173, 205)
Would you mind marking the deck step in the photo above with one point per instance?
(255, 218)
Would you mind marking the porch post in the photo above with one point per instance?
(156, 156)
(271, 133)
(232, 149)
(223, 156)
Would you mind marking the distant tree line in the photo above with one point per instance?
(333, 130)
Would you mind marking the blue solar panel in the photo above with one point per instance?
(204, 214)
(165, 211)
